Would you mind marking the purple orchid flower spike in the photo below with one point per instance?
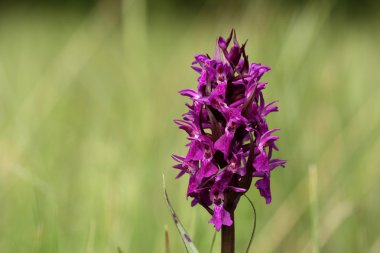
(230, 142)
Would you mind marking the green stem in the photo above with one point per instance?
(228, 237)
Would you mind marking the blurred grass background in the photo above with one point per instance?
(88, 91)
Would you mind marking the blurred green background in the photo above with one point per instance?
(88, 91)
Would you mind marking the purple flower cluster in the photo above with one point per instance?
(230, 142)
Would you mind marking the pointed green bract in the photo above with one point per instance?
(190, 246)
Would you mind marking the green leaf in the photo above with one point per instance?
(190, 247)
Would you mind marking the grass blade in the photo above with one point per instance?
(190, 247)
(213, 242)
(254, 223)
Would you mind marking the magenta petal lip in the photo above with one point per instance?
(227, 131)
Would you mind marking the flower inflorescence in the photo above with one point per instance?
(230, 142)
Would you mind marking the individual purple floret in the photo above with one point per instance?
(229, 139)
